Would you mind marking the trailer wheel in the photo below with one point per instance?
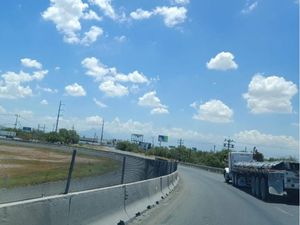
(264, 189)
(253, 191)
(257, 187)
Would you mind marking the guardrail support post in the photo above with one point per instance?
(70, 172)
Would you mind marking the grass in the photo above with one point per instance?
(19, 168)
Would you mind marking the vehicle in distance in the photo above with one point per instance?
(264, 178)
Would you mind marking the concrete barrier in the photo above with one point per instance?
(171, 181)
(165, 186)
(107, 206)
(52, 210)
(103, 206)
(137, 198)
(154, 189)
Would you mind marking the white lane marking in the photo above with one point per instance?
(283, 211)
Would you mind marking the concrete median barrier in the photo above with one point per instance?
(107, 206)
(137, 198)
(165, 186)
(154, 189)
(52, 210)
(103, 206)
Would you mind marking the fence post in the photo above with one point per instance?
(146, 169)
(123, 170)
(70, 172)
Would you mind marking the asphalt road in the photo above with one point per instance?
(204, 198)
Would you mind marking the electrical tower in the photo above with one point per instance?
(58, 115)
(228, 144)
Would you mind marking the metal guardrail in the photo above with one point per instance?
(203, 167)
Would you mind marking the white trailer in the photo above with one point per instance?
(7, 134)
(264, 178)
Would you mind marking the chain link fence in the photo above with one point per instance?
(32, 170)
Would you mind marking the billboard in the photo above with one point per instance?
(27, 129)
(163, 138)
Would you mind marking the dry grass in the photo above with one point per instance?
(21, 166)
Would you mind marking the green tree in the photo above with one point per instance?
(258, 156)
(53, 137)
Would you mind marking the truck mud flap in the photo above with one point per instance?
(275, 183)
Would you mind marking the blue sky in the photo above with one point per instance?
(197, 70)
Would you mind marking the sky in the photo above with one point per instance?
(200, 71)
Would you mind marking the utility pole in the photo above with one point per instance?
(228, 143)
(153, 141)
(44, 128)
(102, 129)
(16, 122)
(180, 142)
(58, 115)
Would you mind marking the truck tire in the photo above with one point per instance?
(226, 179)
(264, 189)
(253, 191)
(257, 187)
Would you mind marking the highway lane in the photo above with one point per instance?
(204, 198)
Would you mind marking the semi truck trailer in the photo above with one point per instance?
(263, 178)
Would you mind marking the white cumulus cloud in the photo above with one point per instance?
(31, 63)
(66, 15)
(91, 15)
(172, 15)
(152, 101)
(257, 138)
(270, 94)
(106, 7)
(141, 14)
(222, 61)
(110, 78)
(15, 85)
(112, 89)
(75, 90)
(91, 35)
(214, 111)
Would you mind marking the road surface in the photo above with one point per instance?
(203, 198)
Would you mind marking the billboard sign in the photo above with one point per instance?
(163, 138)
(27, 129)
